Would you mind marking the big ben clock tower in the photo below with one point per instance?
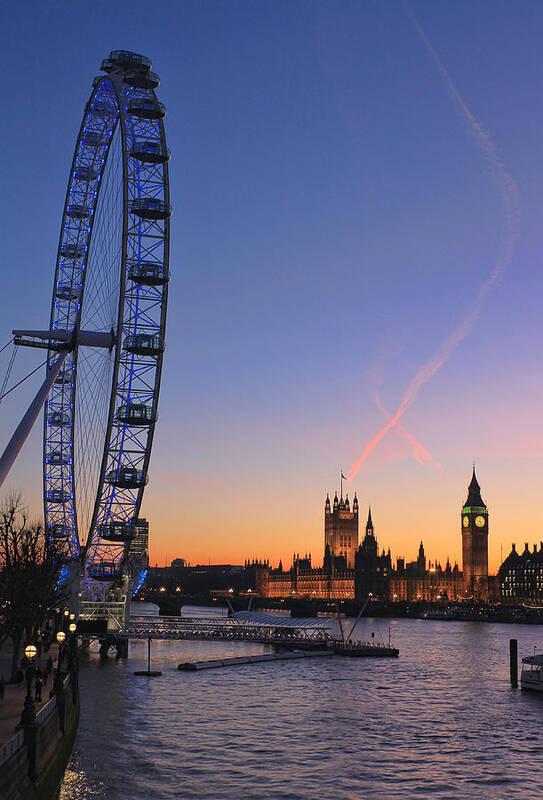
(475, 544)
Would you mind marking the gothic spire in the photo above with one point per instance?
(474, 492)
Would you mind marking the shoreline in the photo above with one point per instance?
(305, 607)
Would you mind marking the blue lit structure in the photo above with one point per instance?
(138, 581)
(111, 279)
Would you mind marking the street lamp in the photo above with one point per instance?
(72, 627)
(31, 651)
(61, 637)
(72, 617)
(57, 683)
(29, 712)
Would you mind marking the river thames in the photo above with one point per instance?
(440, 722)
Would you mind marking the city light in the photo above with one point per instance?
(30, 651)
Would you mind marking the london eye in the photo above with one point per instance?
(106, 336)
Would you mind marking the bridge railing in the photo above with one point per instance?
(113, 611)
(174, 628)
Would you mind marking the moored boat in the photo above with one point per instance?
(531, 676)
(364, 650)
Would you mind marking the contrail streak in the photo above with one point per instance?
(507, 190)
(420, 453)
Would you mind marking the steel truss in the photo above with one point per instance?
(122, 105)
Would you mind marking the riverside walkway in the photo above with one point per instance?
(12, 706)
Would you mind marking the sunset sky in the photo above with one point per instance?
(336, 214)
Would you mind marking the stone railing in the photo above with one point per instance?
(33, 761)
(11, 747)
(46, 710)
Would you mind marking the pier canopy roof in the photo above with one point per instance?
(280, 620)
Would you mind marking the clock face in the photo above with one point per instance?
(480, 521)
(465, 521)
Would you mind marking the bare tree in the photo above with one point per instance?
(29, 574)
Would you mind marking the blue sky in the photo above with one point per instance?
(333, 218)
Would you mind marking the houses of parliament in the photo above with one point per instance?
(353, 569)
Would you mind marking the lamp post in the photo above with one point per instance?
(71, 650)
(28, 717)
(57, 683)
(61, 637)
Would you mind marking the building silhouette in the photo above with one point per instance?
(341, 529)
(474, 526)
(352, 570)
(138, 549)
(417, 580)
(372, 571)
(520, 577)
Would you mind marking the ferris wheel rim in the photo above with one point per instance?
(116, 86)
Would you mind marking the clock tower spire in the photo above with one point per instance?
(474, 519)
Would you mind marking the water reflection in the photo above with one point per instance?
(439, 722)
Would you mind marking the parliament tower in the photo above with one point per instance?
(474, 523)
(341, 528)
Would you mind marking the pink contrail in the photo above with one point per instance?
(420, 453)
(509, 196)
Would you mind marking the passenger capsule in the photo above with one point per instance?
(142, 79)
(151, 208)
(117, 532)
(107, 65)
(57, 496)
(147, 109)
(59, 531)
(57, 459)
(102, 110)
(66, 292)
(59, 419)
(78, 212)
(127, 478)
(136, 414)
(85, 174)
(148, 273)
(126, 58)
(150, 152)
(105, 571)
(69, 250)
(144, 344)
(92, 139)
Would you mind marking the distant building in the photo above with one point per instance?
(341, 529)
(138, 549)
(474, 524)
(520, 576)
(372, 571)
(351, 570)
(415, 581)
(198, 579)
(331, 581)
